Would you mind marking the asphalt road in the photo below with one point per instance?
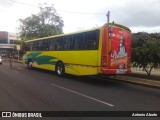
(22, 89)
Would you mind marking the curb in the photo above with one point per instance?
(150, 83)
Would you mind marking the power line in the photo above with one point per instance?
(78, 12)
(56, 10)
(23, 3)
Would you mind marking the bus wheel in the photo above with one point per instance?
(30, 64)
(60, 69)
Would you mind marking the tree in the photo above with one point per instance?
(139, 38)
(46, 23)
(147, 55)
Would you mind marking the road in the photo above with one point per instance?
(22, 89)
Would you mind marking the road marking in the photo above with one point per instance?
(100, 101)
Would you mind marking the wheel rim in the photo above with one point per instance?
(30, 64)
(59, 69)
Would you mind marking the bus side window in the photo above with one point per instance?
(59, 43)
(27, 46)
(97, 39)
(55, 43)
(40, 45)
(36, 45)
(78, 42)
(90, 40)
(86, 40)
(44, 45)
(68, 43)
(47, 43)
(31, 46)
(72, 41)
(65, 42)
(51, 47)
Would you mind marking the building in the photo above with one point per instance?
(7, 42)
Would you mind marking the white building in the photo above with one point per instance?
(7, 42)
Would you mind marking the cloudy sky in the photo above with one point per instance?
(138, 15)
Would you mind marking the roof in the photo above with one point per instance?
(107, 24)
(59, 35)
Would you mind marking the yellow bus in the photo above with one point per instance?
(102, 51)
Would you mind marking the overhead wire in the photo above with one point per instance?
(23, 3)
(71, 12)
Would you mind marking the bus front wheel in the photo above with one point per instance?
(60, 69)
(30, 64)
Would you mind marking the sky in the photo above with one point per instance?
(138, 15)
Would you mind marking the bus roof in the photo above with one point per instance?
(118, 25)
(59, 35)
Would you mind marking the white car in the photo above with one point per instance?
(0, 60)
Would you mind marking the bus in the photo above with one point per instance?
(100, 51)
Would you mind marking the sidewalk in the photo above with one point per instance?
(140, 77)
(154, 73)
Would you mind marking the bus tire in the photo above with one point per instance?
(29, 65)
(60, 70)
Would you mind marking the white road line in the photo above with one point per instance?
(100, 101)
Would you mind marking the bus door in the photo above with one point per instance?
(119, 50)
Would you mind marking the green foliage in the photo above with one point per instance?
(147, 54)
(46, 23)
(139, 38)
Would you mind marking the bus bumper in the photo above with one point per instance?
(114, 71)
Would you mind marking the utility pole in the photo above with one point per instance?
(108, 16)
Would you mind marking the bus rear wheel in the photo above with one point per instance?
(60, 70)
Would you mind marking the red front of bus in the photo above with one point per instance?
(116, 50)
